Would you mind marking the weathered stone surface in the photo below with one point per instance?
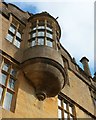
(27, 105)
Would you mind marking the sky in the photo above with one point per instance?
(76, 19)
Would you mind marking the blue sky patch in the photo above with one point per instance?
(22, 5)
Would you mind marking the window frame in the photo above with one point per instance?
(41, 27)
(14, 35)
(67, 111)
(5, 87)
(51, 41)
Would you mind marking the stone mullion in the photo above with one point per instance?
(36, 39)
(45, 38)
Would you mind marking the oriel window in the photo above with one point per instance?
(41, 34)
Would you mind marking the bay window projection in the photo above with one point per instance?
(41, 34)
(14, 36)
(7, 83)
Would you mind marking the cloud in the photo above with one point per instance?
(49, 0)
(76, 19)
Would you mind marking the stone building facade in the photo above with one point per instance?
(39, 78)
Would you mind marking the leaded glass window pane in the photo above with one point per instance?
(65, 115)
(41, 27)
(33, 34)
(34, 28)
(65, 106)
(33, 43)
(48, 28)
(59, 113)
(13, 72)
(41, 33)
(3, 78)
(18, 34)
(49, 43)
(70, 109)
(49, 35)
(7, 101)
(17, 43)
(40, 41)
(1, 91)
(11, 83)
(12, 29)
(9, 37)
(5, 67)
(59, 102)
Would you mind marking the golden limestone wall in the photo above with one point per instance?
(27, 106)
(79, 92)
(81, 114)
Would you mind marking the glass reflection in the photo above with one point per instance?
(7, 101)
